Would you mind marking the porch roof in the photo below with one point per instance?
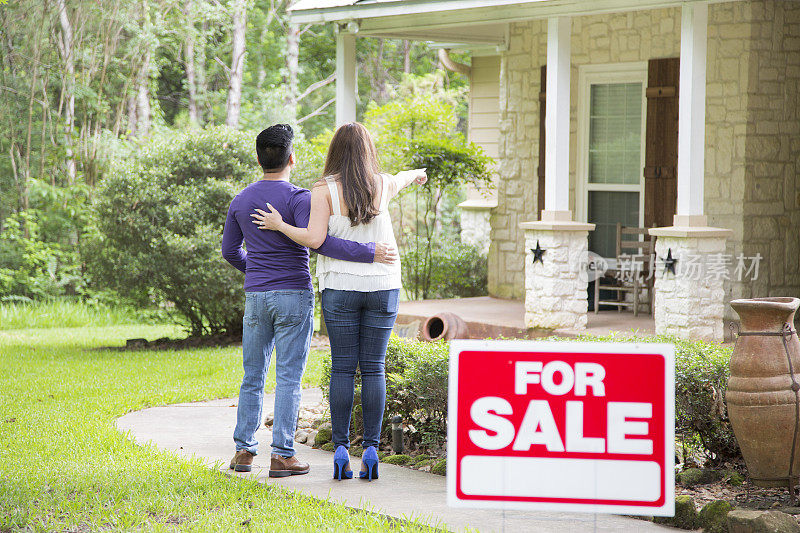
(444, 20)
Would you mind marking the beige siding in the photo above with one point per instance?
(484, 107)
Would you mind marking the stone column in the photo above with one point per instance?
(476, 228)
(690, 274)
(555, 273)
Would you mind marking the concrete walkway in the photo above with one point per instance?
(204, 430)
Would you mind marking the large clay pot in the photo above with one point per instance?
(762, 390)
(446, 326)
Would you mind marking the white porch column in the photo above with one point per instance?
(556, 120)
(690, 299)
(556, 246)
(692, 111)
(346, 78)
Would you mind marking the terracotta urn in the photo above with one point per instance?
(762, 396)
(447, 326)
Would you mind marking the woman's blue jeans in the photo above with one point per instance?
(359, 325)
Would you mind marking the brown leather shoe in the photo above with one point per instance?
(242, 461)
(287, 466)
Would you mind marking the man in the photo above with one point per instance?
(279, 300)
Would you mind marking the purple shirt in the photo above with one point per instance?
(273, 261)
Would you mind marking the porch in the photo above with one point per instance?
(489, 317)
(558, 193)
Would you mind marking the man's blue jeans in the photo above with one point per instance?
(359, 325)
(283, 320)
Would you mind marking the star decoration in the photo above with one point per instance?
(669, 262)
(538, 253)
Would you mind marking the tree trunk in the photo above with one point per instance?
(189, 59)
(132, 121)
(200, 66)
(69, 67)
(292, 66)
(407, 56)
(237, 64)
(143, 97)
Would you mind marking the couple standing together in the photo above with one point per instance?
(345, 219)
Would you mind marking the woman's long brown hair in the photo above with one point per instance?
(353, 158)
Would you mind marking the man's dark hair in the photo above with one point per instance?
(274, 146)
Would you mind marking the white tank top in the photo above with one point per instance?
(362, 277)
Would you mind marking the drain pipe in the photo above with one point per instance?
(449, 64)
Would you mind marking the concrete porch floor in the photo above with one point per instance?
(494, 317)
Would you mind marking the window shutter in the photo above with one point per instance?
(661, 142)
(540, 170)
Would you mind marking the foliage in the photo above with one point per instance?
(61, 395)
(701, 379)
(685, 516)
(159, 222)
(31, 267)
(713, 517)
(416, 389)
(421, 129)
(453, 270)
(417, 375)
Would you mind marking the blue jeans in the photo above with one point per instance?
(359, 325)
(283, 320)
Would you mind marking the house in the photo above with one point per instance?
(681, 116)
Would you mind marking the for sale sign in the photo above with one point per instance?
(562, 426)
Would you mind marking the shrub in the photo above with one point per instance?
(701, 378)
(31, 267)
(398, 459)
(416, 389)
(456, 270)
(324, 436)
(417, 376)
(713, 517)
(159, 220)
(440, 468)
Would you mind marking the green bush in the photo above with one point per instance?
(417, 376)
(713, 517)
(159, 220)
(398, 459)
(324, 436)
(685, 516)
(440, 468)
(701, 379)
(31, 267)
(416, 389)
(456, 270)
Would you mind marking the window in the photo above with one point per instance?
(611, 150)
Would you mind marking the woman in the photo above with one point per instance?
(359, 300)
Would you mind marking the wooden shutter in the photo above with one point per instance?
(661, 142)
(540, 170)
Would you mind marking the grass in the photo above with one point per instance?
(64, 313)
(63, 465)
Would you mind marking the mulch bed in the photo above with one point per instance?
(318, 342)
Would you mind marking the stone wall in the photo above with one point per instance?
(752, 143)
(772, 148)
(475, 228)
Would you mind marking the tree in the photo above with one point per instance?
(66, 49)
(237, 64)
(158, 225)
(191, 84)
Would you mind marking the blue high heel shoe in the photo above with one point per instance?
(369, 464)
(341, 464)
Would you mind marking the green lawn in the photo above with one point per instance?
(63, 466)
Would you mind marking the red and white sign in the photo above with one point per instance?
(567, 426)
